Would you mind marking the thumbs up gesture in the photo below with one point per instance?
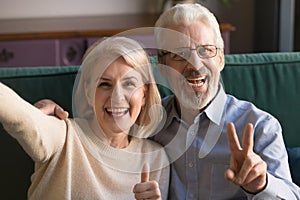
(146, 189)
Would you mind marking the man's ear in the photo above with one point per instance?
(161, 59)
(221, 59)
(162, 69)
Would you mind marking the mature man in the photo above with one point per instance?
(203, 124)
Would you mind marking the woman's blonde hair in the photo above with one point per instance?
(98, 57)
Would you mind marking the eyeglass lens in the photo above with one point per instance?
(184, 53)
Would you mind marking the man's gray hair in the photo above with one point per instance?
(185, 14)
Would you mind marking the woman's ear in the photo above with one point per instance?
(145, 94)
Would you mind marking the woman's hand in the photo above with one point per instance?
(146, 189)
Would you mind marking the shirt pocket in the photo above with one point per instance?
(221, 188)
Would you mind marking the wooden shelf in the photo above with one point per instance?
(68, 27)
(72, 27)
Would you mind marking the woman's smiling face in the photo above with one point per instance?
(119, 98)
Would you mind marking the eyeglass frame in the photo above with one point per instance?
(189, 50)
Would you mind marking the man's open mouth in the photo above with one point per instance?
(197, 81)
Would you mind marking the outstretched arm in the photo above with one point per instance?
(39, 135)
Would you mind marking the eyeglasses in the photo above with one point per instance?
(184, 53)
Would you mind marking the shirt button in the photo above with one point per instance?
(193, 132)
(191, 164)
(191, 196)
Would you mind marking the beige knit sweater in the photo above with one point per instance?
(71, 162)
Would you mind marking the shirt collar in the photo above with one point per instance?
(215, 109)
(170, 106)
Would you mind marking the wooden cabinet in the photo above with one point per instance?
(46, 52)
(70, 51)
(27, 53)
(54, 52)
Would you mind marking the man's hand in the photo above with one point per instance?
(247, 169)
(146, 189)
(49, 107)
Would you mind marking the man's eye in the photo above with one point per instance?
(175, 56)
(183, 54)
(179, 55)
(205, 51)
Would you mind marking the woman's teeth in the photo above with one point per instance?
(117, 111)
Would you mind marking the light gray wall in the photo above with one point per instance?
(12, 9)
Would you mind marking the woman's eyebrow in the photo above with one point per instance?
(124, 78)
(104, 79)
(130, 77)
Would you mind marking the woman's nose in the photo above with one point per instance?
(118, 94)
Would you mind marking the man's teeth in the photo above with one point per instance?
(197, 82)
(200, 78)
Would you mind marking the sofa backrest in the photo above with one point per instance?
(269, 80)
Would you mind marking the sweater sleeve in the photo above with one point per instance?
(40, 135)
(164, 182)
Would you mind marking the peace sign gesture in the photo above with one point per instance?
(247, 169)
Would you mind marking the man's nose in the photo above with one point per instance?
(194, 62)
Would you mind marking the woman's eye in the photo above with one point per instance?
(104, 84)
(129, 83)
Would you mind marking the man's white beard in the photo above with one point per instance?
(196, 101)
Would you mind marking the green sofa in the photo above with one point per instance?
(269, 80)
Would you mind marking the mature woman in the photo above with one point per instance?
(100, 153)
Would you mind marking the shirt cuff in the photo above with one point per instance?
(272, 191)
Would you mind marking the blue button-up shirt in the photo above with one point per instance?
(200, 153)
